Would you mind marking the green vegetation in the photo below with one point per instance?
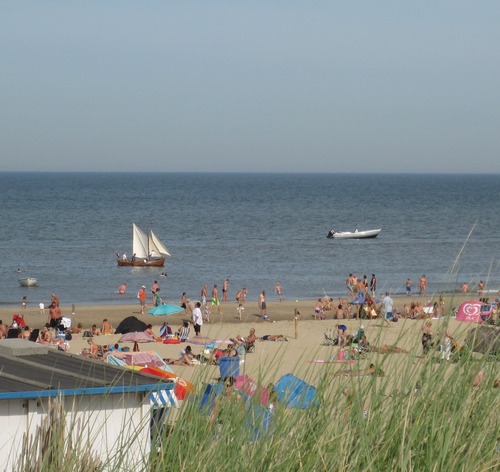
(422, 415)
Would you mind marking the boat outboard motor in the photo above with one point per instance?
(330, 234)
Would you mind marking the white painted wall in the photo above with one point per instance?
(111, 426)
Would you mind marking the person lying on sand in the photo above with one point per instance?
(273, 337)
(372, 370)
(388, 349)
(185, 358)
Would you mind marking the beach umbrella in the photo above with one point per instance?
(470, 311)
(136, 337)
(165, 309)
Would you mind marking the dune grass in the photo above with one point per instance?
(429, 417)
(423, 414)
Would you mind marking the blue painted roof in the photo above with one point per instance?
(28, 370)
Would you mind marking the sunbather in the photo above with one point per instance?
(185, 358)
(250, 339)
(388, 349)
(372, 370)
(183, 332)
(273, 337)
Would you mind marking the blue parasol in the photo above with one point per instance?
(165, 309)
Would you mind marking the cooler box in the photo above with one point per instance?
(229, 366)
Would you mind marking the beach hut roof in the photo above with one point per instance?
(31, 370)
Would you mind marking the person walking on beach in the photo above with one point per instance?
(141, 295)
(423, 284)
(480, 288)
(408, 287)
(225, 288)
(373, 285)
(262, 304)
(365, 282)
(349, 282)
(203, 294)
(215, 299)
(278, 290)
(184, 302)
(388, 303)
(157, 298)
(155, 286)
(197, 318)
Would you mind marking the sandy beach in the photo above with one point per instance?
(304, 353)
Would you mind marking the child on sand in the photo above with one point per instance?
(240, 309)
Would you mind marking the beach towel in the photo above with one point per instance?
(325, 361)
(198, 342)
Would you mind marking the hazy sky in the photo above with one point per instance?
(264, 86)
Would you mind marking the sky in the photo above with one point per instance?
(250, 86)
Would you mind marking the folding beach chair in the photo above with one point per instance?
(330, 339)
(34, 335)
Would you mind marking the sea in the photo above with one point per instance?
(253, 229)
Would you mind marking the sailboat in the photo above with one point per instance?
(147, 250)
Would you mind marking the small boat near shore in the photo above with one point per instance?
(147, 250)
(371, 233)
(28, 282)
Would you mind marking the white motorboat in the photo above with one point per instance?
(371, 233)
(28, 282)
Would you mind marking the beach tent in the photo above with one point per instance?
(484, 339)
(257, 417)
(295, 393)
(470, 311)
(130, 325)
(250, 387)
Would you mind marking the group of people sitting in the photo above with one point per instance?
(237, 347)
(97, 351)
(16, 329)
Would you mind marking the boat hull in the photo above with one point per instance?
(160, 262)
(28, 282)
(373, 233)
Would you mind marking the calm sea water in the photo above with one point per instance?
(254, 229)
